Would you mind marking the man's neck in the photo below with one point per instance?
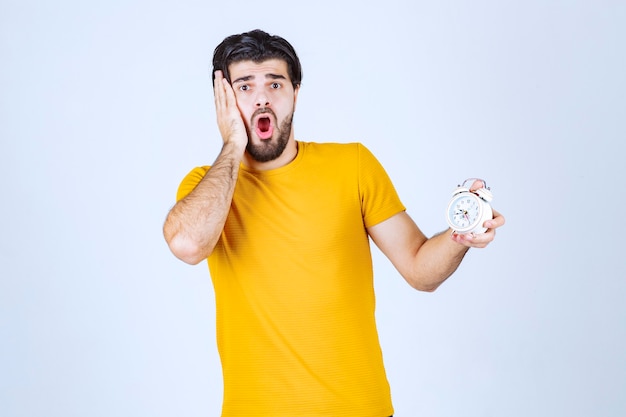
(288, 155)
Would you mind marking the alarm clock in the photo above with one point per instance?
(469, 210)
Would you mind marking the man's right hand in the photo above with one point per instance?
(229, 121)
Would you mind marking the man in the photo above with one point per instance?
(285, 226)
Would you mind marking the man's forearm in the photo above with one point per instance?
(435, 261)
(194, 225)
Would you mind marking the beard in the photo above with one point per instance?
(272, 148)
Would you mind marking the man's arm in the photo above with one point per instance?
(426, 263)
(193, 226)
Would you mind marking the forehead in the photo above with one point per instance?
(272, 66)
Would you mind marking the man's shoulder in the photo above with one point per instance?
(333, 149)
(331, 145)
(197, 173)
(190, 181)
(339, 152)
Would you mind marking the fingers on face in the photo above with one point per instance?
(216, 87)
(223, 91)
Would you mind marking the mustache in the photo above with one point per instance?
(263, 110)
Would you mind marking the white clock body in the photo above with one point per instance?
(469, 210)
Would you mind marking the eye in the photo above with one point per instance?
(244, 87)
(276, 85)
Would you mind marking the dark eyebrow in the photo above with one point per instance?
(275, 77)
(267, 76)
(242, 79)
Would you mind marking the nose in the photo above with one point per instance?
(262, 100)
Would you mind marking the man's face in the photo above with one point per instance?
(266, 101)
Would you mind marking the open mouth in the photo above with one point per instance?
(264, 129)
(264, 124)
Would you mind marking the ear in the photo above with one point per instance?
(295, 96)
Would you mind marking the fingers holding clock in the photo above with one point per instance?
(497, 221)
(472, 240)
(479, 216)
(481, 240)
(477, 185)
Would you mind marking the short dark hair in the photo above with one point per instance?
(256, 46)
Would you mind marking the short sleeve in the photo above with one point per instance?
(379, 198)
(190, 182)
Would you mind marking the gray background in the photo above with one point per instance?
(105, 106)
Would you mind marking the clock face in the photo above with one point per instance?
(464, 211)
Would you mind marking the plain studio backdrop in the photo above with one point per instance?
(105, 106)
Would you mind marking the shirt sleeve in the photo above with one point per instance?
(190, 182)
(379, 198)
